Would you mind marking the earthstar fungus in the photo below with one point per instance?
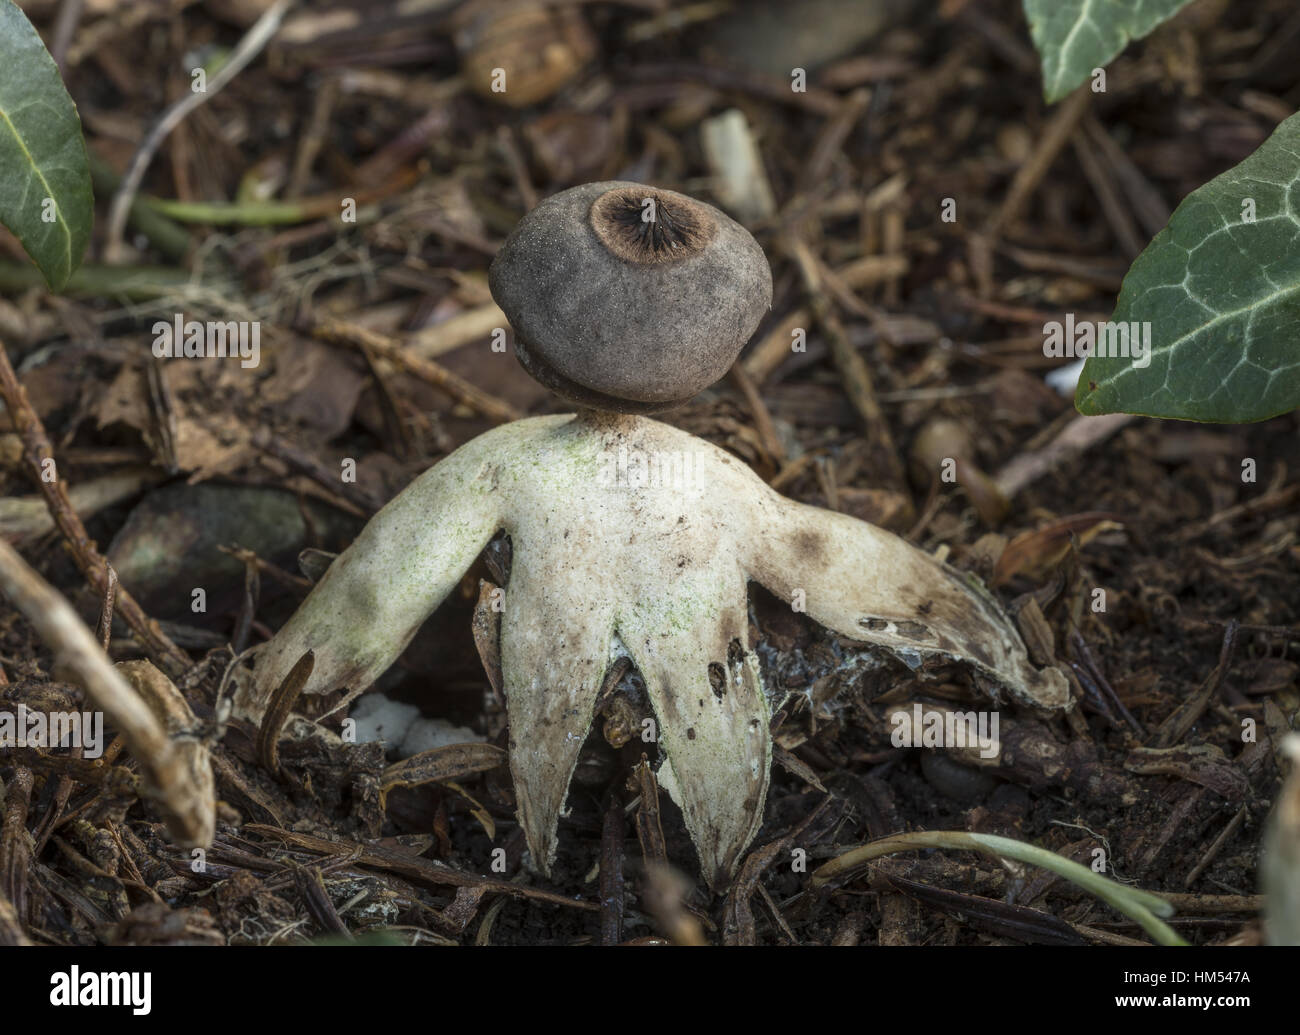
(628, 299)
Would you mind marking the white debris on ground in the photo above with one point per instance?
(401, 727)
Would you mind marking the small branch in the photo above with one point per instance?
(36, 445)
(762, 416)
(1080, 435)
(858, 383)
(65, 27)
(16, 848)
(305, 463)
(189, 805)
(338, 332)
(611, 871)
(170, 238)
(104, 630)
(248, 48)
(1055, 135)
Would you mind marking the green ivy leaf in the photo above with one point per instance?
(45, 195)
(1075, 36)
(1220, 291)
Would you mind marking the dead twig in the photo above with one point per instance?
(759, 411)
(1175, 727)
(413, 867)
(1103, 684)
(29, 515)
(611, 871)
(1060, 128)
(1080, 435)
(338, 332)
(304, 463)
(1212, 853)
(104, 630)
(185, 791)
(16, 848)
(1103, 184)
(858, 383)
(441, 765)
(36, 447)
(257, 37)
(649, 830)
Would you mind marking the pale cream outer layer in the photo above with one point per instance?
(603, 563)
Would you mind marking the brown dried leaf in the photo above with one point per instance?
(453, 762)
(1034, 554)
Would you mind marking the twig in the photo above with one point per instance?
(852, 367)
(247, 607)
(28, 515)
(305, 463)
(313, 137)
(286, 578)
(65, 27)
(518, 167)
(611, 871)
(1082, 433)
(1284, 497)
(1060, 128)
(257, 37)
(445, 764)
(414, 868)
(773, 348)
(338, 332)
(36, 445)
(104, 630)
(455, 331)
(831, 138)
(311, 889)
(1146, 202)
(1184, 717)
(1103, 684)
(1103, 185)
(411, 141)
(759, 411)
(188, 804)
(165, 410)
(1212, 853)
(15, 843)
(649, 829)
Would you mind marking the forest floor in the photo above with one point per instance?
(1160, 567)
